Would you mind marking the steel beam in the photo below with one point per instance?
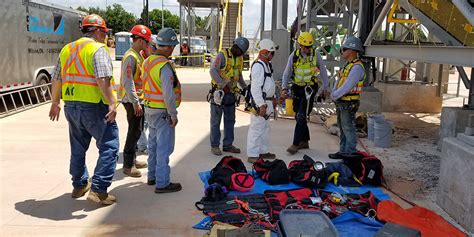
(463, 76)
(459, 56)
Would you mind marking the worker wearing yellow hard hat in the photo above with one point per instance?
(307, 74)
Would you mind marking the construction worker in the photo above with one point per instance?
(131, 94)
(162, 91)
(263, 92)
(307, 71)
(184, 49)
(83, 77)
(346, 94)
(226, 73)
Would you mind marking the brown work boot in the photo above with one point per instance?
(216, 151)
(132, 172)
(303, 145)
(252, 159)
(231, 149)
(292, 149)
(79, 192)
(140, 164)
(102, 198)
(268, 156)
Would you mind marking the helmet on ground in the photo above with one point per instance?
(353, 43)
(166, 37)
(305, 39)
(242, 182)
(268, 45)
(242, 43)
(94, 20)
(142, 31)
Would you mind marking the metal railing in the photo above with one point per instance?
(20, 100)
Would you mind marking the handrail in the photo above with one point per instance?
(239, 18)
(223, 24)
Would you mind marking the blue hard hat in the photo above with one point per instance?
(353, 43)
(242, 43)
(167, 37)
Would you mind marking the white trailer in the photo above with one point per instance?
(32, 34)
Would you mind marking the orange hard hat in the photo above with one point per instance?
(142, 31)
(94, 20)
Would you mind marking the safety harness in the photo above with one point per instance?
(250, 104)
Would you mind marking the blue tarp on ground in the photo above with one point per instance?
(261, 186)
(351, 224)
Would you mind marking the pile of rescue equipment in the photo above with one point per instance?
(311, 207)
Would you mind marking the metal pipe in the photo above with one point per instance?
(459, 85)
(379, 21)
(262, 18)
(470, 102)
(440, 81)
(463, 75)
(279, 21)
(308, 15)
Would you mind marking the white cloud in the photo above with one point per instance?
(251, 10)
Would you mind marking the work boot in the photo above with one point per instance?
(231, 149)
(268, 156)
(292, 149)
(252, 159)
(103, 198)
(303, 145)
(132, 172)
(79, 192)
(336, 156)
(216, 151)
(151, 182)
(171, 188)
(140, 164)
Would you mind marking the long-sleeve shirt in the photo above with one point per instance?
(258, 78)
(167, 79)
(288, 73)
(216, 66)
(355, 75)
(129, 68)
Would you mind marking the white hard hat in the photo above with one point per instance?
(267, 44)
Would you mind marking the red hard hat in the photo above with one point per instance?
(94, 20)
(142, 31)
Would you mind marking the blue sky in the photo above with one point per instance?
(251, 9)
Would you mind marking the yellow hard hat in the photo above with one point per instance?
(305, 39)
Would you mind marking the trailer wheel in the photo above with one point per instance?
(42, 93)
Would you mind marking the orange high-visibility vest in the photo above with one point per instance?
(137, 80)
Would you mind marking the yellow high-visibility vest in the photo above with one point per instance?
(305, 70)
(77, 71)
(354, 94)
(152, 87)
(137, 80)
(232, 69)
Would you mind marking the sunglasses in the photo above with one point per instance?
(306, 47)
(344, 49)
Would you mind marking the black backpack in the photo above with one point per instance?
(303, 172)
(249, 101)
(273, 172)
(224, 170)
(368, 169)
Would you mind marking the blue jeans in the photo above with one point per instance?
(87, 120)
(143, 141)
(160, 146)
(228, 109)
(346, 120)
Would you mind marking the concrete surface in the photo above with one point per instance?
(456, 181)
(35, 184)
(418, 98)
(454, 120)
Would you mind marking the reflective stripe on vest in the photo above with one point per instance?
(305, 70)
(232, 69)
(137, 80)
(77, 71)
(151, 71)
(354, 94)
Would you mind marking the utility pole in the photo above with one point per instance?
(162, 15)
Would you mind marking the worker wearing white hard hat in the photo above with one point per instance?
(262, 92)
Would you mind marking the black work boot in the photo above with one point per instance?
(336, 156)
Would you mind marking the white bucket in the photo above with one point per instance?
(370, 125)
(383, 133)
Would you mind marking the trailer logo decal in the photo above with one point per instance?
(55, 27)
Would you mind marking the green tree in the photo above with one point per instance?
(170, 19)
(115, 16)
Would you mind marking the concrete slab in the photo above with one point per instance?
(454, 120)
(35, 183)
(456, 182)
(467, 139)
